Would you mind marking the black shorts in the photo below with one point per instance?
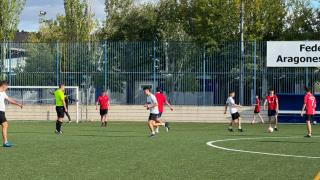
(103, 112)
(153, 117)
(235, 116)
(60, 111)
(256, 112)
(308, 117)
(2, 117)
(160, 114)
(272, 113)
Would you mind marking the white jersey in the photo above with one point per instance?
(3, 96)
(230, 102)
(152, 100)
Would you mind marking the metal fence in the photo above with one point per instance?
(188, 73)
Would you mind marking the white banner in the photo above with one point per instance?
(293, 54)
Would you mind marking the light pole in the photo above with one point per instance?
(242, 64)
(42, 18)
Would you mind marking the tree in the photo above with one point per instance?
(78, 23)
(302, 22)
(264, 20)
(9, 18)
(70, 39)
(211, 21)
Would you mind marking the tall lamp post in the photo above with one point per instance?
(242, 64)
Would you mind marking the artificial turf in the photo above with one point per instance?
(124, 151)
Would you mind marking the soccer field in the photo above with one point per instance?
(124, 151)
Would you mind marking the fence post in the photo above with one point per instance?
(255, 69)
(57, 63)
(10, 58)
(307, 78)
(154, 65)
(204, 75)
(105, 65)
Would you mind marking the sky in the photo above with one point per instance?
(29, 20)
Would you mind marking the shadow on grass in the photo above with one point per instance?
(96, 135)
(29, 132)
(290, 142)
(236, 134)
(108, 130)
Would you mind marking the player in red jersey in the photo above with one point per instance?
(273, 108)
(162, 100)
(309, 106)
(103, 100)
(257, 110)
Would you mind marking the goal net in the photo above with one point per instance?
(39, 102)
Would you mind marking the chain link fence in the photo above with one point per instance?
(188, 73)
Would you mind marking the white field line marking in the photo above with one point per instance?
(211, 143)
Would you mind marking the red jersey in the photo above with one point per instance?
(103, 101)
(257, 107)
(310, 102)
(272, 102)
(161, 100)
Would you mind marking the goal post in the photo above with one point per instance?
(42, 95)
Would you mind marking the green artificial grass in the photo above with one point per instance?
(124, 151)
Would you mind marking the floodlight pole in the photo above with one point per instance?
(242, 64)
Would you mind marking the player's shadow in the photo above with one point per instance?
(110, 136)
(241, 135)
(290, 142)
(28, 132)
(115, 131)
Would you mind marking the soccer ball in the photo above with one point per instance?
(270, 129)
(314, 122)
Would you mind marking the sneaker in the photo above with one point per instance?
(308, 136)
(157, 130)
(8, 144)
(166, 125)
(276, 129)
(240, 130)
(57, 132)
(152, 135)
(230, 130)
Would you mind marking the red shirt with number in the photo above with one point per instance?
(161, 100)
(103, 101)
(272, 102)
(311, 103)
(257, 107)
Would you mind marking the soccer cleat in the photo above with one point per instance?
(230, 130)
(166, 125)
(7, 144)
(58, 132)
(276, 129)
(152, 135)
(308, 136)
(240, 130)
(157, 130)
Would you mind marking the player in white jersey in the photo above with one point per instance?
(3, 119)
(152, 105)
(233, 111)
